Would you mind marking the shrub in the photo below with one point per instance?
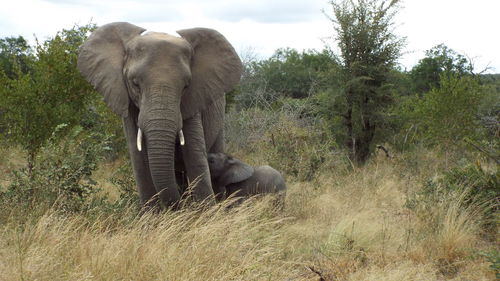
(287, 73)
(124, 180)
(100, 119)
(299, 151)
(285, 138)
(61, 176)
(444, 116)
(33, 103)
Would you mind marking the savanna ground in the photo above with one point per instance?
(380, 221)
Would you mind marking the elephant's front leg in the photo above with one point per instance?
(195, 159)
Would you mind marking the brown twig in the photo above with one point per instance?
(385, 150)
(321, 278)
(487, 153)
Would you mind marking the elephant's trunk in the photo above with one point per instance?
(160, 125)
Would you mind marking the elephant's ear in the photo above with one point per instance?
(101, 61)
(215, 69)
(237, 172)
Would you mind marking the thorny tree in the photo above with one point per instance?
(368, 50)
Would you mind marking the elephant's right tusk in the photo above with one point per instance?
(139, 139)
(181, 137)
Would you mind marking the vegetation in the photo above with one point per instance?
(288, 73)
(440, 59)
(369, 50)
(425, 206)
(15, 56)
(448, 114)
(387, 232)
(41, 89)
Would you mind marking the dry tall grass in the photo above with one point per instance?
(347, 224)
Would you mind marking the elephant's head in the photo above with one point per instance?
(225, 169)
(165, 78)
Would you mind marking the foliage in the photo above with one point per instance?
(34, 103)
(291, 141)
(440, 59)
(368, 53)
(489, 108)
(298, 151)
(61, 176)
(447, 114)
(124, 180)
(100, 119)
(287, 73)
(16, 55)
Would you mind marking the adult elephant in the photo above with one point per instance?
(162, 85)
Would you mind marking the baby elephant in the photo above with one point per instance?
(242, 179)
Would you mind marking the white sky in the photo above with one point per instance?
(470, 27)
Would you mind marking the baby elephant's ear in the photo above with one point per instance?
(237, 172)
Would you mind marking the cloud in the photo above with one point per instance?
(278, 11)
(149, 11)
(262, 11)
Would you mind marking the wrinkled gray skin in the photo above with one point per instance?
(162, 84)
(241, 179)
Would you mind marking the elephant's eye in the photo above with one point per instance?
(135, 84)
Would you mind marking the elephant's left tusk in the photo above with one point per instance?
(181, 137)
(139, 139)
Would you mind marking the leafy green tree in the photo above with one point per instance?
(15, 52)
(34, 103)
(294, 74)
(440, 59)
(369, 50)
(449, 113)
(288, 73)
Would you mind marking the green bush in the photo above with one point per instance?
(444, 116)
(33, 103)
(124, 180)
(100, 119)
(61, 177)
(287, 73)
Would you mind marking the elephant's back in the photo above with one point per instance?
(268, 179)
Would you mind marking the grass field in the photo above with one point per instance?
(346, 224)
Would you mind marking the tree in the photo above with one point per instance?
(449, 113)
(15, 52)
(440, 59)
(287, 73)
(368, 53)
(34, 103)
(297, 75)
